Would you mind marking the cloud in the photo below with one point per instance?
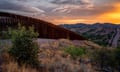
(68, 6)
(14, 6)
(63, 9)
(53, 10)
(73, 2)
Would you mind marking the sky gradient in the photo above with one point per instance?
(66, 11)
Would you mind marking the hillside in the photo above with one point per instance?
(52, 56)
(105, 34)
(23, 53)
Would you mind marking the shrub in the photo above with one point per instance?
(117, 58)
(105, 58)
(75, 51)
(24, 50)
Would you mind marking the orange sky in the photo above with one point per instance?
(113, 16)
(66, 11)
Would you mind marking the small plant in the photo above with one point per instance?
(24, 50)
(75, 51)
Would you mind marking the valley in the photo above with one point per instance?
(105, 34)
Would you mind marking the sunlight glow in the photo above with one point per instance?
(113, 16)
(69, 21)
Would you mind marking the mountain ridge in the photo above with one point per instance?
(106, 34)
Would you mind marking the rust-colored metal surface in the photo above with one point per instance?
(45, 29)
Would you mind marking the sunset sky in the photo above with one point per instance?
(66, 11)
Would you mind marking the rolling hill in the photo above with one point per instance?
(106, 34)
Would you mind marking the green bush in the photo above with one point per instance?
(24, 50)
(75, 51)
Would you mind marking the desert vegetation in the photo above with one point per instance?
(27, 54)
(75, 52)
(24, 50)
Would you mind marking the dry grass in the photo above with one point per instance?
(9, 65)
(52, 58)
(14, 67)
(55, 60)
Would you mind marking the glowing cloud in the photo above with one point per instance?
(112, 16)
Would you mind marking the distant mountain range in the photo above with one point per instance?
(106, 34)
